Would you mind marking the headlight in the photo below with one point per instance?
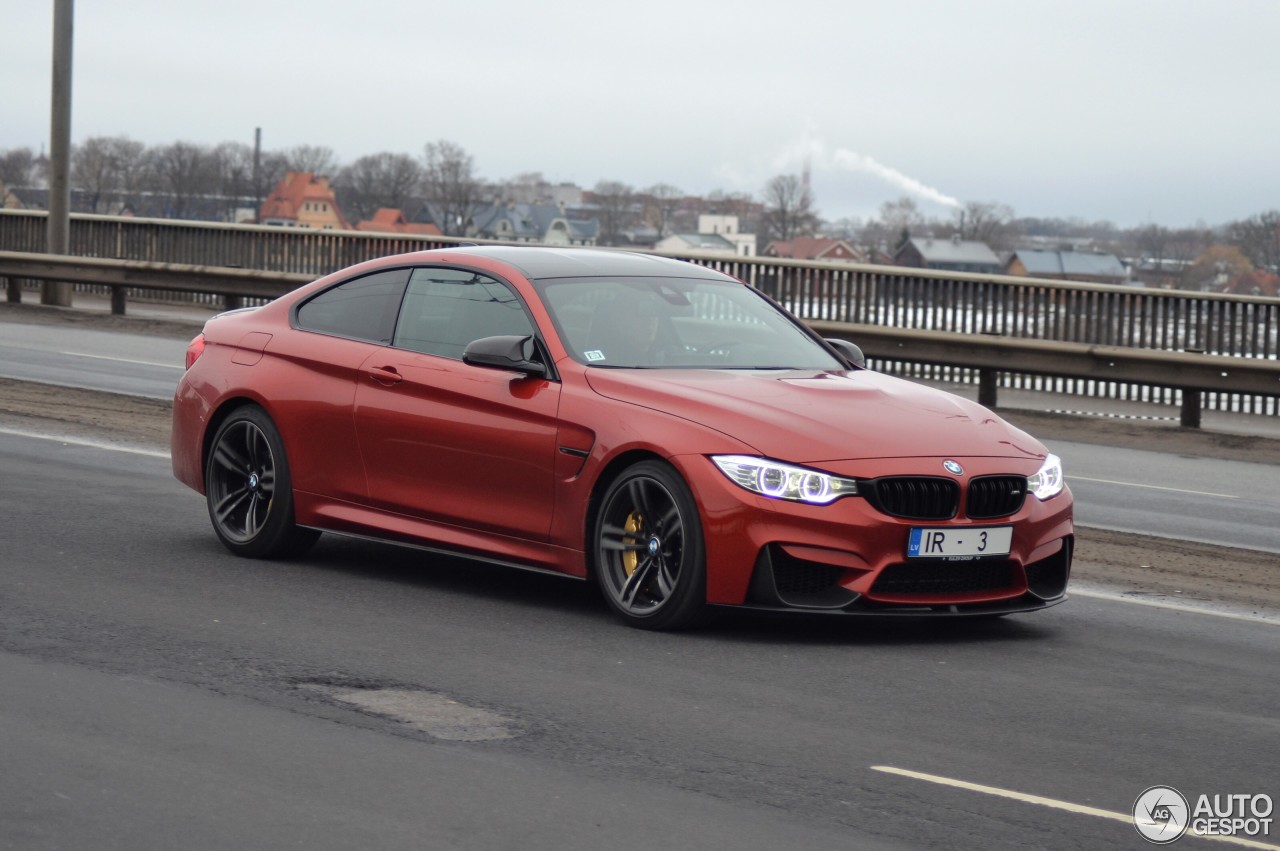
(782, 481)
(1048, 481)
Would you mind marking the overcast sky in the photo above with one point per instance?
(1127, 110)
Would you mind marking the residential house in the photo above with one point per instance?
(303, 200)
(702, 243)
(727, 226)
(391, 220)
(1067, 265)
(951, 255)
(1253, 282)
(542, 223)
(9, 201)
(638, 237)
(1161, 274)
(815, 248)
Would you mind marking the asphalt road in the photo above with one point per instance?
(133, 364)
(156, 692)
(1210, 500)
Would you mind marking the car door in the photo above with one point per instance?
(448, 442)
(316, 368)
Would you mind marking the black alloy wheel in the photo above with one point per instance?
(650, 558)
(247, 487)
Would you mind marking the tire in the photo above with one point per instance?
(249, 491)
(648, 548)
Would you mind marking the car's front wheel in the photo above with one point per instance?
(650, 559)
(248, 489)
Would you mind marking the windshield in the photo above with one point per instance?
(676, 322)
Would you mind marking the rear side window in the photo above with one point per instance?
(445, 309)
(363, 308)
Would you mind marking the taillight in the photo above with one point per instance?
(195, 349)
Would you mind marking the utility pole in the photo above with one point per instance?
(59, 224)
(257, 171)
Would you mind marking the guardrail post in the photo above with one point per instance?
(13, 289)
(987, 388)
(118, 298)
(1191, 405)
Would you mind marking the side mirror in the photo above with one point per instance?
(849, 352)
(507, 352)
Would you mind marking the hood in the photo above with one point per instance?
(808, 417)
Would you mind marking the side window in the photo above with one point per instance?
(363, 308)
(445, 309)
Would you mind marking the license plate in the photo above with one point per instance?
(959, 543)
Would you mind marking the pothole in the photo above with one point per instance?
(433, 714)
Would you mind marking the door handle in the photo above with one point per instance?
(385, 375)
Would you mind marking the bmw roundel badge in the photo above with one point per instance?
(953, 468)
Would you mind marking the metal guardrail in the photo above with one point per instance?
(990, 355)
(233, 285)
(1191, 373)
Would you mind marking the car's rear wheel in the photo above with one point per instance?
(248, 489)
(650, 559)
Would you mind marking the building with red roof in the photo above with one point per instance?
(1253, 282)
(391, 220)
(815, 248)
(303, 200)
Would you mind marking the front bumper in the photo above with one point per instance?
(782, 582)
(848, 557)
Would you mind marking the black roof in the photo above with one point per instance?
(544, 262)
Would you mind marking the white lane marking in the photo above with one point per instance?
(1176, 490)
(1185, 608)
(92, 444)
(1153, 487)
(124, 360)
(1053, 803)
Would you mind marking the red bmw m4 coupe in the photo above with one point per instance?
(654, 426)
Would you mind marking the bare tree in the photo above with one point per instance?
(1259, 238)
(131, 163)
(846, 228)
(94, 172)
(988, 222)
(661, 207)
(528, 187)
(232, 164)
(1185, 244)
(18, 168)
(1153, 241)
(614, 201)
(1215, 265)
(893, 226)
(788, 211)
(378, 180)
(316, 159)
(183, 171)
(450, 184)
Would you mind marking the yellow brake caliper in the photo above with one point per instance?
(631, 558)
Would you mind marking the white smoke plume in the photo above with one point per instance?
(860, 163)
(811, 149)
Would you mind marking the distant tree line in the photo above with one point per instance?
(111, 173)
